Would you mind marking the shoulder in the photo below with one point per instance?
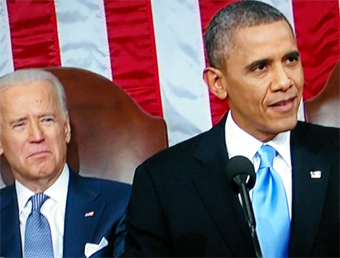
(102, 183)
(105, 187)
(316, 142)
(7, 194)
(179, 151)
(314, 128)
(204, 142)
(316, 134)
(8, 190)
(183, 152)
(177, 163)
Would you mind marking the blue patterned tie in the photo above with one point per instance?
(271, 207)
(38, 239)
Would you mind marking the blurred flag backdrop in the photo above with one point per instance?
(153, 48)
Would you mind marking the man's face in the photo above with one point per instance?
(34, 132)
(264, 79)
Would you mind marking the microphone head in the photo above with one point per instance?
(240, 170)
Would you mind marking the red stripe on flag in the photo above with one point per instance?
(34, 33)
(208, 10)
(133, 52)
(317, 29)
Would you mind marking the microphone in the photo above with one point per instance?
(241, 178)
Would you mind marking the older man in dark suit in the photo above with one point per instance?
(51, 211)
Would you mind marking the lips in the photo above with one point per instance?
(39, 154)
(284, 105)
(282, 102)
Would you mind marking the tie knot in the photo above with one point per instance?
(267, 154)
(38, 200)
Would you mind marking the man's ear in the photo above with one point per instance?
(67, 129)
(213, 77)
(1, 149)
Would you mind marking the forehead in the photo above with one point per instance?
(263, 39)
(29, 95)
(39, 86)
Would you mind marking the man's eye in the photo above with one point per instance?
(292, 60)
(19, 126)
(47, 120)
(259, 68)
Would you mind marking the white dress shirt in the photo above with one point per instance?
(53, 209)
(239, 142)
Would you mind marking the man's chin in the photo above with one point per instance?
(286, 125)
(41, 170)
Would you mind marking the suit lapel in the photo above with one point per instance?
(83, 211)
(222, 204)
(10, 229)
(308, 193)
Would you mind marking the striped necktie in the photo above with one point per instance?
(38, 238)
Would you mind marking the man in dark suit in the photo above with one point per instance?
(81, 217)
(181, 204)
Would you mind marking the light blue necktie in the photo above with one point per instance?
(271, 207)
(38, 239)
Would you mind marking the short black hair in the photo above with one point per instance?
(243, 14)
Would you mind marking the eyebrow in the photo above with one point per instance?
(261, 62)
(265, 61)
(16, 120)
(293, 54)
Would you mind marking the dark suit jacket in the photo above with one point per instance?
(181, 204)
(107, 199)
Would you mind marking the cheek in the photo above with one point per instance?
(14, 145)
(248, 93)
(14, 152)
(298, 77)
(253, 96)
(301, 82)
(246, 100)
(59, 140)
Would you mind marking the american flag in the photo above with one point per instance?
(154, 49)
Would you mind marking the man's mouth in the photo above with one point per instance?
(39, 154)
(284, 105)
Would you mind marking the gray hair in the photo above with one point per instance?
(26, 76)
(218, 36)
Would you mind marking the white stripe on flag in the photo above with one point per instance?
(179, 48)
(6, 59)
(286, 7)
(83, 35)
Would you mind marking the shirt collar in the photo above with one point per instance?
(57, 191)
(239, 142)
(281, 143)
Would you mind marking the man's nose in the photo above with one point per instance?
(36, 133)
(281, 79)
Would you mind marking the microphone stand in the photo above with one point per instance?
(241, 177)
(249, 215)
